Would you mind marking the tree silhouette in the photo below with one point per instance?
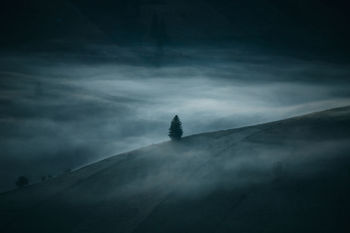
(175, 130)
(22, 181)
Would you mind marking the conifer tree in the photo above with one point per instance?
(175, 130)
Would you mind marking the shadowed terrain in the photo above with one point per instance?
(294, 27)
(285, 176)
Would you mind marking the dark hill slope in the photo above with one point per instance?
(314, 26)
(286, 176)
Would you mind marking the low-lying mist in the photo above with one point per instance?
(57, 114)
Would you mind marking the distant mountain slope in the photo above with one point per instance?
(285, 176)
(317, 26)
(46, 26)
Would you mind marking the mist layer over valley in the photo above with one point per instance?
(59, 113)
(288, 175)
(81, 80)
(253, 94)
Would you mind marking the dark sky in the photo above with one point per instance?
(82, 80)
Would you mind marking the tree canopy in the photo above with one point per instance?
(22, 181)
(175, 130)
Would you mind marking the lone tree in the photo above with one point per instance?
(175, 130)
(22, 181)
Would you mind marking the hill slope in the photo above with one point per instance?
(317, 26)
(285, 176)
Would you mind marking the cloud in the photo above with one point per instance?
(93, 110)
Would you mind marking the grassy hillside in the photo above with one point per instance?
(286, 176)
